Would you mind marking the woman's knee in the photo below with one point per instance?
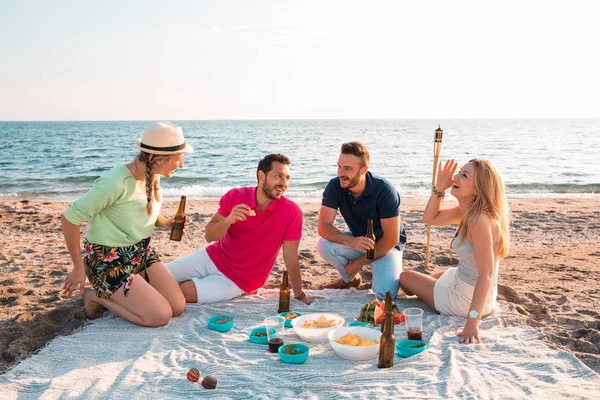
(407, 278)
(178, 306)
(159, 317)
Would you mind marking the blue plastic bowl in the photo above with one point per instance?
(288, 322)
(212, 323)
(294, 358)
(407, 348)
(360, 323)
(259, 339)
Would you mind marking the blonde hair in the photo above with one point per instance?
(490, 201)
(152, 180)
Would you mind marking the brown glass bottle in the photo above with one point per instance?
(371, 235)
(284, 294)
(177, 230)
(387, 343)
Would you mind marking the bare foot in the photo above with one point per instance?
(405, 294)
(91, 307)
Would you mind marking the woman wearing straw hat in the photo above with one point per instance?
(123, 208)
(481, 241)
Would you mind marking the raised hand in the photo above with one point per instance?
(238, 213)
(445, 175)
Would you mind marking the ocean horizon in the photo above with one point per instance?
(59, 160)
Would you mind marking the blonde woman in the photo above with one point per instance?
(123, 207)
(481, 241)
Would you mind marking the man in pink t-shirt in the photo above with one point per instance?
(248, 230)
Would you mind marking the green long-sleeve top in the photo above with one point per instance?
(116, 209)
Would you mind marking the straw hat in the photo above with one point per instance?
(163, 138)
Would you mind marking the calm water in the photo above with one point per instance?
(537, 158)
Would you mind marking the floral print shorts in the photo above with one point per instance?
(109, 268)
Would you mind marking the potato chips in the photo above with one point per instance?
(252, 213)
(355, 340)
(320, 322)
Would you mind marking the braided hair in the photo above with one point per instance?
(152, 181)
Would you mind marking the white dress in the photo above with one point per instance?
(453, 291)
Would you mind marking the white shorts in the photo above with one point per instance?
(211, 285)
(453, 296)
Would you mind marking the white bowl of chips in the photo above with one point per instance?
(314, 327)
(355, 342)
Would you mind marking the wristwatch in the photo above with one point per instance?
(474, 314)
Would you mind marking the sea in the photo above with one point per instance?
(536, 158)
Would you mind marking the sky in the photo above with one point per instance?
(224, 59)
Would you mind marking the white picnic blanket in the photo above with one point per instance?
(111, 358)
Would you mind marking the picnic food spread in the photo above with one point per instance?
(298, 353)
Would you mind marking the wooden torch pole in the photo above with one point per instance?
(437, 147)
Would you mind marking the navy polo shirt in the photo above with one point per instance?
(380, 200)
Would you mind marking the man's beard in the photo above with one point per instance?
(351, 182)
(268, 191)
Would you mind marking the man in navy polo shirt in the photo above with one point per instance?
(360, 195)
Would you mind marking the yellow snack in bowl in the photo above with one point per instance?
(291, 315)
(320, 322)
(355, 340)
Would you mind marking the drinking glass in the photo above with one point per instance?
(414, 323)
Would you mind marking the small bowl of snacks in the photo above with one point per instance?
(220, 323)
(314, 327)
(289, 316)
(259, 335)
(355, 342)
(363, 324)
(407, 348)
(295, 353)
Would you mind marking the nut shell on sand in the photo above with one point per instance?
(209, 382)
(193, 375)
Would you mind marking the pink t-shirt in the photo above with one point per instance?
(247, 252)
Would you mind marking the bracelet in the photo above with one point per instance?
(300, 296)
(437, 192)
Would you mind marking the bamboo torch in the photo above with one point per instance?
(437, 147)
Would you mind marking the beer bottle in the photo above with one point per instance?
(370, 235)
(284, 294)
(387, 343)
(177, 230)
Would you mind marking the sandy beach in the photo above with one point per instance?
(551, 279)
